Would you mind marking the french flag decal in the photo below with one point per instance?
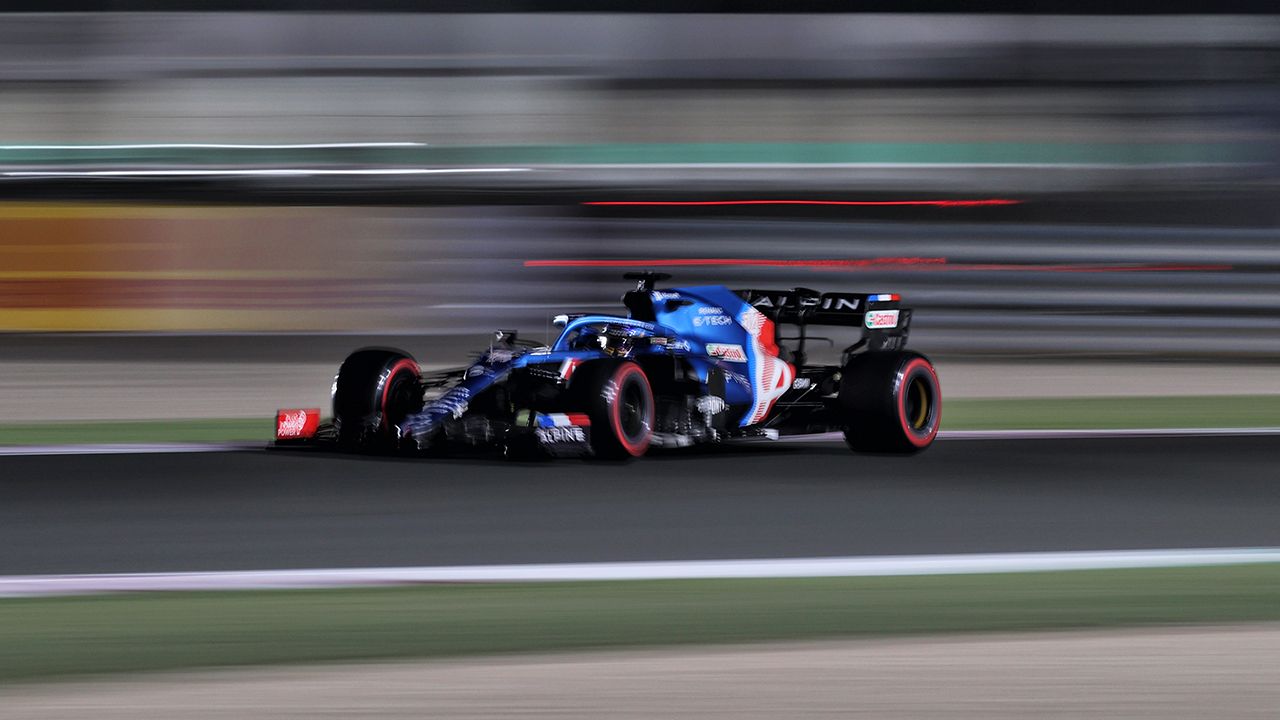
(563, 420)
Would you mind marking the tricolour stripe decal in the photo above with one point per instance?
(770, 375)
(563, 420)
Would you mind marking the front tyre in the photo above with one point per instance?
(374, 391)
(892, 402)
(619, 402)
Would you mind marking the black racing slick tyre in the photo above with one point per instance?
(618, 399)
(892, 402)
(376, 388)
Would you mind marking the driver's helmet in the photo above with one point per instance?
(614, 340)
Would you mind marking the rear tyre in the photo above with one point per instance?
(618, 399)
(376, 388)
(892, 402)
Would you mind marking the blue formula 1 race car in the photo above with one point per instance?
(685, 366)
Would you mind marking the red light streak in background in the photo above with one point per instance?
(910, 263)
(856, 203)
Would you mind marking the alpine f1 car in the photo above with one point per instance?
(684, 366)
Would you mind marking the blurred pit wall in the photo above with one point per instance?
(886, 106)
(979, 289)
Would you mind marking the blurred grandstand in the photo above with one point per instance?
(187, 156)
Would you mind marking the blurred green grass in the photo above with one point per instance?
(49, 638)
(134, 431)
(959, 414)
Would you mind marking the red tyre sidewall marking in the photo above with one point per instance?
(615, 412)
(912, 437)
(412, 366)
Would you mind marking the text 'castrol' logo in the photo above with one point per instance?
(725, 351)
(880, 319)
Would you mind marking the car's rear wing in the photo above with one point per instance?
(801, 306)
(880, 316)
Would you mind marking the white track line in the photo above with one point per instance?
(1125, 432)
(152, 448)
(1066, 434)
(882, 566)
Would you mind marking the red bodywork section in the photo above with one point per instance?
(297, 424)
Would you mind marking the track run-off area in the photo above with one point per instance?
(241, 510)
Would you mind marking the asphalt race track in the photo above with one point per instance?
(266, 510)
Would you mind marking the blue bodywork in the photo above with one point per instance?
(710, 327)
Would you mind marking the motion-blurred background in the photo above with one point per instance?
(307, 174)
(205, 206)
